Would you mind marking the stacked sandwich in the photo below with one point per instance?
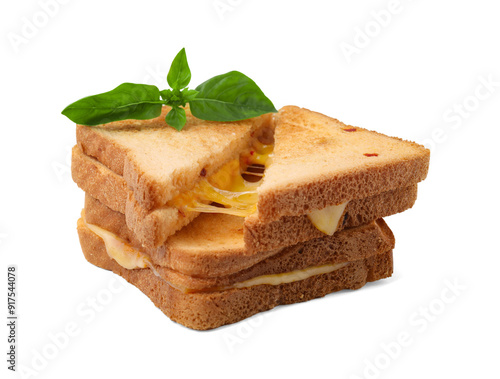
(224, 220)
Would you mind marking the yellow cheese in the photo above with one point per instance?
(227, 187)
(327, 219)
(120, 250)
(289, 277)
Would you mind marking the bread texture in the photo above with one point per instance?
(102, 183)
(318, 161)
(260, 235)
(213, 308)
(96, 180)
(212, 245)
(158, 162)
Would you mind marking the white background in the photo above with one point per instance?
(406, 78)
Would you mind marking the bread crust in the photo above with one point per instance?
(99, 181)
(319, 162)
(317, 252)
(260, 235)
(208, 310)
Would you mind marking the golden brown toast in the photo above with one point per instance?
(318, 161)
(206, 303)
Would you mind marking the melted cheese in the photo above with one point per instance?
(327, 219)
(131, 258)
(227, 187)
(120, 250)
(289, 277)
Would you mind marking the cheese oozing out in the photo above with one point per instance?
(327, 219)
(289, 277)
(228, 187)
(131, 258)
(120, 250)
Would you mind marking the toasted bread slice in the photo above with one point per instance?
(99, 182)
(318, 161)
(158, 162)
(213, 245)
(260, 235)
(217, 301)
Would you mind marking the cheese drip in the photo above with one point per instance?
(227, 187)
(327, 219)
(120, 250)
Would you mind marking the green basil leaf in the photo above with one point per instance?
(176, 118)
(166, 95)
(188, 95)
(230, 97)
(127, 101)
(179, 74)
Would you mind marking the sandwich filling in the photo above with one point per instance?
(327, 220)
(130, 258)
(232, 189)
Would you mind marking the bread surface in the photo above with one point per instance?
(319, 161)
(158, 162)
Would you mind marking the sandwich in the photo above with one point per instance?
(321, 174)
(226, 219)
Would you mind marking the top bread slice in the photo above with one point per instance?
(318, 161)
(158, 162)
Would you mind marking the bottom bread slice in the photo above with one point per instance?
(209, 310)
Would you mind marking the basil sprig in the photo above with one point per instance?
(228, 97)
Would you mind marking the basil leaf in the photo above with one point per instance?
(176, 118)
(127, 101)
(188, 95)
(166, 95)
(179, 74)
(230, 97)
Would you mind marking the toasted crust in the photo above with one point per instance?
(153, 228)
(352, 247)
(99, 181)
(208, 310)
(156, 161)
(212, 246)
(288, 230)
(319, 161)
(149, 227)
